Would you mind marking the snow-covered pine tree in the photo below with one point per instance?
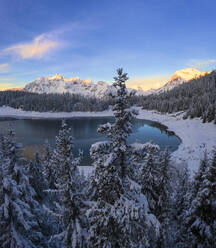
(164, 186)
(199, 176)
(181, 206)
(70, 204)
(120, 216)
(163, 206)
(37, 179)
(200, 221)
(47, 165)
(18, 224)
(150, 181)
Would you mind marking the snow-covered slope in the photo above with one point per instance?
(59, 84)
(180, 77)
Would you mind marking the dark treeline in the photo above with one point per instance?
(134, 197)
(52, 102)
(197, 98)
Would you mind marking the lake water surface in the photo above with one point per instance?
(33, 133)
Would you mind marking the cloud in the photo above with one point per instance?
(4, 68)
(46, 42)
(148, 83)
(35, 49)
(201, 64)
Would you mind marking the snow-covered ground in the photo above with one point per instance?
(196, 136)
(6, 111)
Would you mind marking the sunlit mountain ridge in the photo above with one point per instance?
(59, 84)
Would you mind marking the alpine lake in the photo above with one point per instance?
(33, 133)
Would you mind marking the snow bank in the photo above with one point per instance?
(196, 136)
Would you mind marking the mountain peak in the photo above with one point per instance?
(188, 74)
(56, 77)
(58, 84)
(181, 76)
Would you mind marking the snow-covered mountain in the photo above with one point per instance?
(59, 84)
(180, 77)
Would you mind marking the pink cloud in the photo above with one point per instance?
(36, 49)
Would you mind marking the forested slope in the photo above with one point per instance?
(52, 102)
(196, 97)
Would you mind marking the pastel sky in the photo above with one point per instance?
(150, 39)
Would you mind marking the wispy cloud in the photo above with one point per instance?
(35, 49)
(147, 83)
(4, 68)
(49, 41)
(201, 64)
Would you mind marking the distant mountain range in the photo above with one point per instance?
(59, 84)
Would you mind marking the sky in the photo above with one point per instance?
(149, 39)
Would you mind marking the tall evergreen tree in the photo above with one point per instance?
(19, 225)
(37, 179)
(120, 215)
(150, 181)
(164, 186)
(70, 204)
(181, 206)
(163, 206)
(199, 176)
(201, 218)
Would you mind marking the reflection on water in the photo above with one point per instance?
(33, 133)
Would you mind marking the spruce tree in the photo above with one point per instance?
(37, 179)
(47, 165)
(181, 206)
(163, 206)
(19, 225)
(164, 186)
(120, 216)
(70, 203)
(201, 218)
(150, 181)
(199, 176)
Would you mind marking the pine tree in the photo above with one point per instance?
(201, 218)
(119, 217)
(37, 179)
(150, 181)
(163, 206)
(47, 166)
(18, 224)
(181, 206)
(70, 204)
(165, 188)
(199, 176)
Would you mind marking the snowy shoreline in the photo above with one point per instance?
(196, 136)
(8, 112)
